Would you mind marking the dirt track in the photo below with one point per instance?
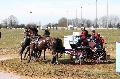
(6, 75)
(9, 75)
(4, 55)
(85, 70)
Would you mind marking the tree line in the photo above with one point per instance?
(12, 22)
(113, 22)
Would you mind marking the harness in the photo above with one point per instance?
(35, 39)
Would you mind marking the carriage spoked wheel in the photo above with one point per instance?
(101, 56)
(77, 59)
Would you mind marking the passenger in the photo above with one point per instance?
(94, 36)
(102, 40)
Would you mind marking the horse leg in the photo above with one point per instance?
(53, 60)
(23, 46)
(39, 54)
(30, 55)
(60, 55)
(62, 51)
(31, 51)
(21, 57)
(28, 49)
(21, 52)
(44, 54)
(57, 57)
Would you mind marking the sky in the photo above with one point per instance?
(50, 11)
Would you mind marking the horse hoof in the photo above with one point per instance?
(37, 60)
(57, 63)
(28, 61)
(60, 56)
(24, 59)
(52, 63)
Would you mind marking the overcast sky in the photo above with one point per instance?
(46, 11)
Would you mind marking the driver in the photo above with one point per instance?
(94, 36)
(46, 33)
(83, 37)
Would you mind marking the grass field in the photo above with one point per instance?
(10, 43)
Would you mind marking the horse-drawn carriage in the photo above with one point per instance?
(82, 53)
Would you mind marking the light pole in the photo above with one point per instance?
(30, 12)
(81, 14)
(67, 18)
(31, 16)
(96, 13)
(107, 14)
(76, 19)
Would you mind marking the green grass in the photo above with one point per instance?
(111, 36)
(11, 38)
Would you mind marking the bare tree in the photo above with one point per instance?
(118, 25)
(62, 22)
(21, 26)
(5, 23)
(112, 21)
(12, 21)
(49, 25)
(1, 26)
(88, 23)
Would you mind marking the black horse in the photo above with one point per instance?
(25, 44)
